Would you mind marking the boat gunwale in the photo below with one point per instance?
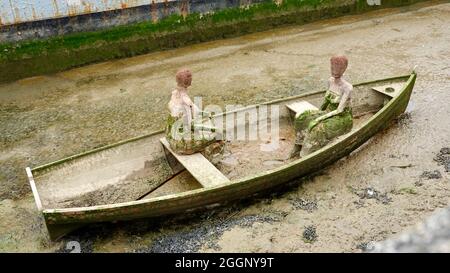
(188, 194)
(34, 190)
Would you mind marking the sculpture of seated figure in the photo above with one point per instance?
(187, 131)
(316, 128)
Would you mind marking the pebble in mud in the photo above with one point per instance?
(365, 246)
(309, 234)
(443, 158)
(304, 204)
(431, 174)
(370, 193)
(404, 119)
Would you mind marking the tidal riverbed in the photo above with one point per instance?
(383, 188)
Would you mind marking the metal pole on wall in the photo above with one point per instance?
(166, 8)
(184, 8)
(245, 3)
(154, 12)
(13, 12)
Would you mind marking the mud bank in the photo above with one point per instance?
(33, 58)
(378, 191)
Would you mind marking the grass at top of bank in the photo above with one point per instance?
(173, 23)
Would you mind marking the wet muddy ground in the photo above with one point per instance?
(388, 185)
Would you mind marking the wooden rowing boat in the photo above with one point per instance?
(141, 178)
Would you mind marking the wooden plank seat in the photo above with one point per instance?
(301, 106)
(200, 168)
(391, 90)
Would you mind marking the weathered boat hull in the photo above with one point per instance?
(60, 221)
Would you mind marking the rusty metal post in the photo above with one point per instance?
(13, 12)
(55, 6)
(166, 8)
(154, 12)
(184, 10)
(245, 3)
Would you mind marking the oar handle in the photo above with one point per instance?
(202, 126)
(204, 113)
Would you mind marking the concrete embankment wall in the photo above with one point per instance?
(36, 19)
(119, 38)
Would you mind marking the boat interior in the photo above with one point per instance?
(146, 168)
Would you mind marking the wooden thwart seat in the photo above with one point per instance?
(200, 168)
(300, 107)
(390, 90)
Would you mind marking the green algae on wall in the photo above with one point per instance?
(51, 55)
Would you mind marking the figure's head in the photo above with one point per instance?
(338, 66)
(184, 77)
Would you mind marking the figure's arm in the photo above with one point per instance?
(195, 110)
(326, 101)
(172, 106)
(340, 109)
